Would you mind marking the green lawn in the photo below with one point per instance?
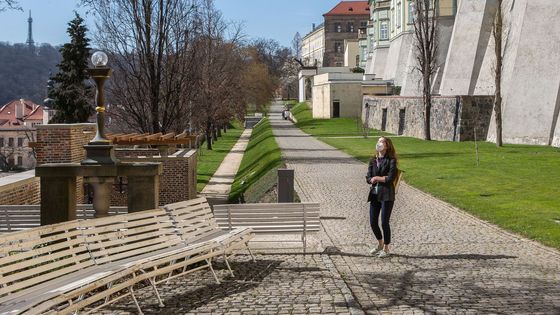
(516, 187)
(261, 156)
(209, 160)
(326, 127)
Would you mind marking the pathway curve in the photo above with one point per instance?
(444, 261)
(218, 188)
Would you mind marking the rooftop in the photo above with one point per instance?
(349, 8)
(15, 112)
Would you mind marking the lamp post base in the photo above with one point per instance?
(99, 154)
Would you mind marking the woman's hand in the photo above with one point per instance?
(373, 181)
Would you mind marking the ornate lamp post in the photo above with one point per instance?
(100, 150)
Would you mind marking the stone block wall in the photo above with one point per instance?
(177, 183)
(20, 189)
(453, 118)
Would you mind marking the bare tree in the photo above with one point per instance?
(9, 5)
(7, 159)
(497, 31)
(218, 70)
(426, 45)
(296, 46)
(150, 43)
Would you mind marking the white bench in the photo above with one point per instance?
(68, 266)
(195, 223)
(273, 218)
(50, 268)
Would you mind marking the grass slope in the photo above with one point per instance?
(516, 187)
(209, 160)
(262, 155)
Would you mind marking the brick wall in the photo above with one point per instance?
(177, 183)
(20, 189)
(64, 143)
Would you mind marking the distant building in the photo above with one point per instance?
(341, 23)
(313, 46)
(18, 120)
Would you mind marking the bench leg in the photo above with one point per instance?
(153, 283)
(209, 262)
(109, 285)
(135, 301)
(250, 252)
(171, 272)
(227, 264)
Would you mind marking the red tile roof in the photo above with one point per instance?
(350, 8)
(31, 111)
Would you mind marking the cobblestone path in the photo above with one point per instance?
(444, 260)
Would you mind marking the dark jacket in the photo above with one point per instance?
(386, 190)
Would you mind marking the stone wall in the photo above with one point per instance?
(20, 189)
(177, 183)
(452, 118)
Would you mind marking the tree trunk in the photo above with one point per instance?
(209, 136)
(225, 128)
(219, 131)
(498, 78)
(214, 134)
(427, 108)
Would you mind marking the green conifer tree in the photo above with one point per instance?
(72, 95)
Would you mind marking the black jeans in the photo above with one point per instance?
(385, 208)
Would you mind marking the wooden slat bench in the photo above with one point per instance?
(195, 223)
(48, 265)
(148, 242)
(68, 266)
(276, 218)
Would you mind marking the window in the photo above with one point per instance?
(350, 28)
(363, 24)
(19, 160)
(337, 27)
(20, 142)
(384, 31)
(11, 142)
(411, 13)
(338, 47)
(399, 15)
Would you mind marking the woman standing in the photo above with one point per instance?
(382, 171)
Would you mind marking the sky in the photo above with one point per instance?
(272, 19)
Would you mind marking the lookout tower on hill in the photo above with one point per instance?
(30, 41)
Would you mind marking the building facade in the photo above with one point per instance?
(390, 42)
(18, 121)
(341, 23)
(313, 47)
(466, 59)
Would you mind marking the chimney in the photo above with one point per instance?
(19, 109)
(313, 26)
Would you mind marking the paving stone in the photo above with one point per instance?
(444, 261)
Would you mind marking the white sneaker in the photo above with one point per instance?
(383, 254)
(376, 250)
